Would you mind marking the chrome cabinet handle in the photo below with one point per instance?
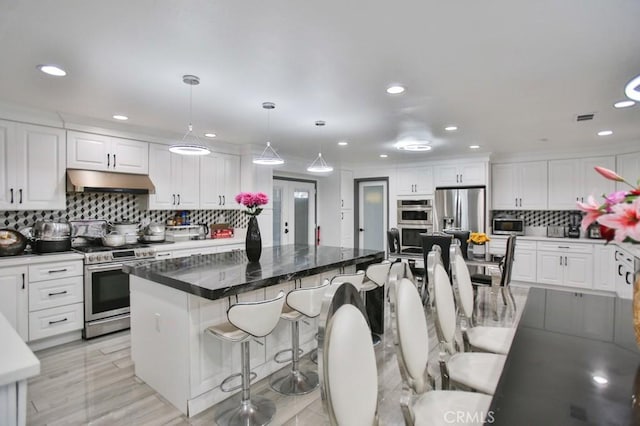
(58, 293)
(178, 199)
(54, 271)
(58, 321)
(163, 254)
(224, 200)
(108, 160)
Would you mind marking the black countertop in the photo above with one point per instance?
(214, 276)
(565, 342)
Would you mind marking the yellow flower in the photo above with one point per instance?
(478, 238)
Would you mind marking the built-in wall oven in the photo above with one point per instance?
(410, 242)
(415, 213)
(106, 288)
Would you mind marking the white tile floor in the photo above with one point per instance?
(93, 382)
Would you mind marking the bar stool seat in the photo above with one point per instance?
(247, 320)
(300, 303)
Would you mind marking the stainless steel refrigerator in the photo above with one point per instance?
(461, 208)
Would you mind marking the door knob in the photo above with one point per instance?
(361, 229)
(286, 231)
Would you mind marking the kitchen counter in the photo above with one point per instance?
(31, 259)
(214, 276)
(190, 244)
(550, 239)
(562, 342)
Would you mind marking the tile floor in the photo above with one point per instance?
(93, 382)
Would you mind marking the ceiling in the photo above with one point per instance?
(512, 75)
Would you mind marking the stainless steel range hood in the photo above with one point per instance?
(95, 181)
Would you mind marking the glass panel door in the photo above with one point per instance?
(294, 219)
(372, 215)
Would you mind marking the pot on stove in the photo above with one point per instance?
(51, 236)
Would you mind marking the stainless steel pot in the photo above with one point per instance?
(125, 228)
(154, 230)
(113, 239)
(49, 230)
(11, 242)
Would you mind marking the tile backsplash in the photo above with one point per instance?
(116, 208)
(535, 218)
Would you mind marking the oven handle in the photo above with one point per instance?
(107, 267)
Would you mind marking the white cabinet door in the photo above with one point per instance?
(592, 182)
(161, 174)
(604, 268)
(7, 174)
(424, 181)
(186, 181)
(415, 181)
(42, 176)
(460, 174)
(504, 189)
(129, 156)
(564, 184)
(14, 299)
(447, 175)
(346, 229)
(524, 265)
(210, 175)
(628, 166)
(88, 151)
(578, 270)
(406, 182)
(532, 182)
(346, 189)
(230, 164)
(472, 174)
(550, 267)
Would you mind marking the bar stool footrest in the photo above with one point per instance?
(289, 358)
(252, 377)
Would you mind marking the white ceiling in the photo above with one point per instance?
(507, 72)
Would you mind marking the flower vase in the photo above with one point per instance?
(636, 308)
(253, 242)
(479, 250)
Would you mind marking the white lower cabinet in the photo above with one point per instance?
(54, 321)
(346, 229)
(565, 264)
(524, 265)
(14, 299)
(604, 268)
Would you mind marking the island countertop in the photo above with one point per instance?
(218, 275)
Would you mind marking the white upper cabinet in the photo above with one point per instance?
(32, 160)
(106, 153)
(460, 174)
(519, 186)
(346, 189)
(571, 181)
(415, 181)
(176, 178)
(628, 166)
(219, 181)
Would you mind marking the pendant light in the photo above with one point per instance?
(632, 89)
(190, 144)
(319, 165)
(269, 156)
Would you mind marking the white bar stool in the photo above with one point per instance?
(300, 303)
(247, 320)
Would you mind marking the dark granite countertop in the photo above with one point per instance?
(214, 276)
(566, 343)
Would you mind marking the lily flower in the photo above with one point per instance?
(593, 210)
(625, 219)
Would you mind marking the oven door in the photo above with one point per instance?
(106, 291)
(410, 236)
(417, 216)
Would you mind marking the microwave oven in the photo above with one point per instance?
(506, 226)
(416, 213)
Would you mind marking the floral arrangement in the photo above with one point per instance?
(252, 201)
(619, 215)
(478, 238)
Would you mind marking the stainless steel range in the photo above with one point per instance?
(106, 287)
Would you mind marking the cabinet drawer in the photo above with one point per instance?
(566, 247)
(164, 255)
(52, 293)
(48, 271)
(50, 322)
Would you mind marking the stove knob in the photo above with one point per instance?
(92, 258)
(106, 257)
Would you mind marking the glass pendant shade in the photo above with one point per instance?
(269, 156)
(190, 144)
(319, 165)
(632, 89)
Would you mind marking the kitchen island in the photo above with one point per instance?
(173, 301)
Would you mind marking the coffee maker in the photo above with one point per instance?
(573, 230)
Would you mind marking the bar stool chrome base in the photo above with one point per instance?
(289, 382)
(258, 411)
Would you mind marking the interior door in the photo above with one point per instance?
(294, 212)
(372, 215)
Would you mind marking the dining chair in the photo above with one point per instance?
(467, 370)
(421, 404)
(506, 267)
(429, 241)
(483, 338)
(463, 238)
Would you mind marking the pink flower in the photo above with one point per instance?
(261, 198)
(611, 175)
(624, 219)
(593, 211)
(252, 201)
(615, 198)
(239, 197)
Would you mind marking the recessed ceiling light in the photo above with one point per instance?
(474, 146)
(600, 380)
(632, 89)
(343, 143)
(120, 117)
(52, 70)
(383, 155)
(412, 145)
(395, 90)
(605, 133)
(624, 104)
(451, 128)
(209, 135)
